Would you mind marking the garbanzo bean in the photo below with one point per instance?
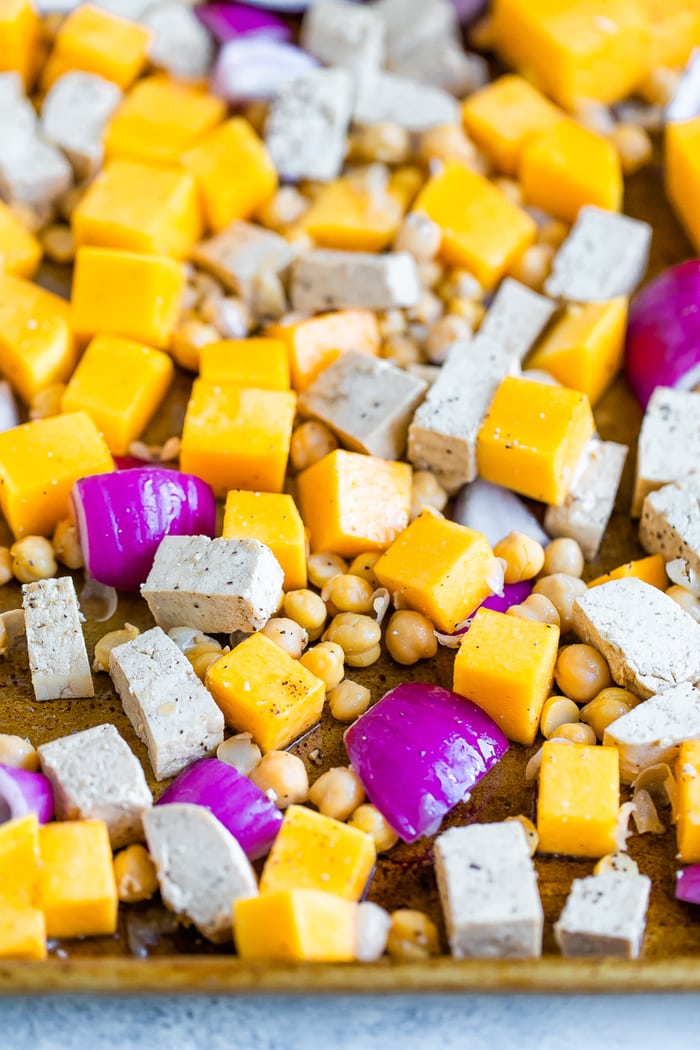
(557, 711)
(306, 608)
(575, 733)
(240, 752)
(288, 634)
(5, 566)
(33, 559)
(562, 590)
(367, 818)
(410, 637)
(283, 778)
(326, 660)
(581, 672)
(337, 793)
(426, 491)
(135, 874)
(605, 708)
(563, 555)
(323, 566)
(365, 658)
(311, 441)
(66, 544)
(363, 565)
(353, 632)
(536, 607)
(524, 557)
(348, 700)
(348, 593)
(17, 752)
(413, 935)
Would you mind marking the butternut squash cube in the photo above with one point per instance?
(506, 666)
(504, 116)
(20, 251)
(19, 862)
(22, 932)
(569, 166)
(256, 362)
(579, 798)
(78, 888)
(127, 294)
(688, 802)
(159, 120)
(273, 519)
(237, 437)
(314, 852)
(233, 171)
(120, 384)
(651, 570)
(315, 344)
(585, 348)
(353, 503)
(295, 926)
(482, 230)
(139, 208)
(263, 691)
(533, 437)
(439, 568)
(675, 31)
(574, 49)
(350, 217)
(682, 174)
(19, 37)
(96, 41)
(39, 464)
(37, 348)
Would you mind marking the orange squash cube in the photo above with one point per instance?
(314, 852)
(349, 217)
(533, 437)
(39, 464)
(682, 174)
(19, 37)
(353, 503)
(569, 166)
(78, 891)
(231, 148)
(506, 666)
(273, 519)
(651, 570)
(237, 437)
(295, 926)
(19, 861)
(96, 41)
(139, 208)
(256, 362)
(20, 251)
(119, 384)
(579, 799)
(37, 348)
(263, 691)
(482, 230)
(675, 31)
(687, 807)
(315, 344)
(22, 932)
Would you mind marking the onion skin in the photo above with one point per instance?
(228, 21)
(513, 594)
(663, 333)
(242, 808)
(418, 752)
(257, 67)
(123, 516)
(688, 884)
(23, 792)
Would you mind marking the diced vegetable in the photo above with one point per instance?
(495, 511)
(688, 884)
(22, 792)
(228, 21)
(257, 67)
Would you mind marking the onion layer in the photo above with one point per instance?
(227, 21)
(257, 67)
(23, 792)
(688, 884)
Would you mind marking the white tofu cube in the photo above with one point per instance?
(516, 318)
(58, 659)
(179, 43)
(670, 522)
(241, 253)
(669, 442)
(333, 280)
(338, 33)
(604, 915)
(305, 132)
(218, 586)
(586, 510)
(445, 64)
(384, 97)
(34, 173)
(653, 731)
(74, 116)
(96, 776)
(411, 24)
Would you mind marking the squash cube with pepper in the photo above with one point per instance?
(579, 799)
(273, 519)
(97, 41)
(298, 925)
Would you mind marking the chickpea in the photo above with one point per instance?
(385, 141)
(562, 590)
(337, 793)
(633, 145)
(364, 659)
(553, 232)
(348, 593)
(447, 142)
(33, 559)
(410, 637)
(605, 708)
(240, 752)
(524, 557)
(110, 641)
(617, 861)
(686, 599)
(47, 402)
(289, 635)
(353, 632)
(445, 333)
(391, 322)
(323, 566)
(402, 350)
(412, 935)
(135, 874)
(326, 660)
(581, 672)
(203, 654)
(283, 778)
(536, 607)
(66, 544)
(5, 566)
(188, 339)
(511, 189)
(419, 236)
(534, 265)
(575, 733)
(17, 752)
(311, 441)
(426, 492)
(285, 207)
(306, 608)
(556, 712)
(59, 243)
(426, 311)
(367, 818)
(363, 565)
(563, 555)
(348, 700)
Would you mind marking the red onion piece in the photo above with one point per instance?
(688, 884)
(123, 516)
(287, 6)
(663, 333)
(242, 808)
(23, 792)
(513, 594)
(127, 462)
(495, 512)
(228, 21)
(419, 751)
(257, 67)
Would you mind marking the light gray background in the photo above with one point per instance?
(347, 1023)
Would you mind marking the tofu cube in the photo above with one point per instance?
(78, 892)
(367, 402)
(669, 442)
(263, 691)
(652, 732)
(179, 44)
(272, 519)
(74, 116)
(670, 523)
(515, 319)
(295, 925)
(242, 252)
(36, 343)
(412, 23)
(579, 799)
(97, 41)
(96, 776)
(648, 640)
(218, 586)
(385, 97)
(33, 172)
(488, 890)
(438, 567)
(307, 124)
(506, 666)
(315, 852)
(341, 34)
(169, 708)
(604, 915)
(20, 250)
(58, 659)
(687, 804)
(324, 280)
(257, 362)
(353, 503)
(315, 343)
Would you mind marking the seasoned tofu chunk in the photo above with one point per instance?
(604, 915)
(179, 42)
(653, 731)
(74, 116)
(670, 522)
(58, 659)
(305, 132)
(96, 776)
(241, 253)
(219, 586)
(169, 708)
(338, 33)
(34, 173)
(586, 510)
(488, 890)
(516, 318)
(416, 107)
(669, 442)
(412, 23)
(333, 280)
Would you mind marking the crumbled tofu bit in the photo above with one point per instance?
(649, 642)
(96, 776)
(201, 867)
(305, 132)
(670, 522)
(585, 513)
(58, 659)
(179, 42)
(338, 33)
(217, 586)
(384, 97)
(324, 279)
(516, 318)
(412, 24)
(669, 442)
(241, 253)
(604, 915)
(34, 173)
(169, 708)
(367, 402)
(652, 732)
(74, 116)
(488, 890)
